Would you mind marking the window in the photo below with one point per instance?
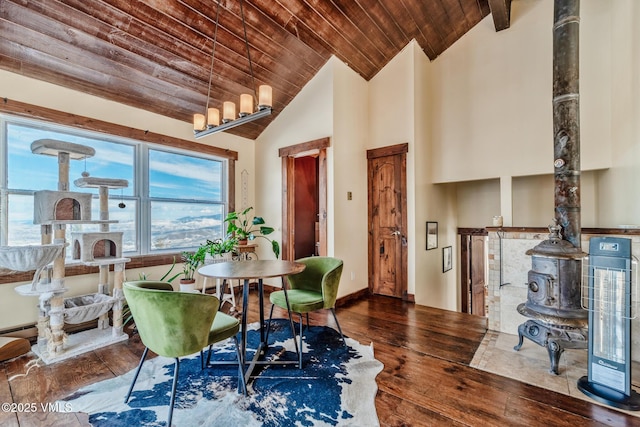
(186, 208)
(175, 199)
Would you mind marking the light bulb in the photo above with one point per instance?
(228, 111)
(264, 97)
(246, 104)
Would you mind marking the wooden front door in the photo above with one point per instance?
(388, 220)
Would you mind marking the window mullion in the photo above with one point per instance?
(4, 194)
(142, 192)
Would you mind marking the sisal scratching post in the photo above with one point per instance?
(118, 278)
(56, 312)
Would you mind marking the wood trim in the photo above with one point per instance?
(473, 231)
(322, 202)
(356, 296)
(288, 209)
(293, 150)
(405, 221)
(597, 231)
(464, 272)
(30, 111)
(501, 12)
(391, 150)
(231, 186)
(8, 276)
(30, 332)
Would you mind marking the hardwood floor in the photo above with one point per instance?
(426, 379)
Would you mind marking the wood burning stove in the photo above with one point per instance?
(558, 321)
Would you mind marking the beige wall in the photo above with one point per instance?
(433, 202)
(478, 202)
(349, 165)
(392, 111)
(493, 96)
(493, 114)
(619, 187)
(308, 117)
(333, 104)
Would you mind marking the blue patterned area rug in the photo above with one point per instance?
(336, 387)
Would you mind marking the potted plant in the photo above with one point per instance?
(219, 249)
(191, 262)
(244, 226)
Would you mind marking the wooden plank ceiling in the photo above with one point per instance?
(156, 54)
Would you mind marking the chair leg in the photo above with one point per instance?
(333, 311)
(242, 383)
(209, 354)
(266, 339)
(202, 360)
(300, 353)
(293, 332)
(173, 391)
(135, 377)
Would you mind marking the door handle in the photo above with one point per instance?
(396, 233)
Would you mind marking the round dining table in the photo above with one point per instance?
(255, 270)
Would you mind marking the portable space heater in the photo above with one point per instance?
(609, 295)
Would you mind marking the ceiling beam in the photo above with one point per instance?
(501, 12)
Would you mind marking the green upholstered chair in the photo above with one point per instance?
(176, 324)
(315, 288)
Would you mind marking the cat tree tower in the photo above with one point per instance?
(54, 210)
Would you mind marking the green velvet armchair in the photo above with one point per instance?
(315, 288)
(177, 324)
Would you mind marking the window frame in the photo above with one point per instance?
(11, 111)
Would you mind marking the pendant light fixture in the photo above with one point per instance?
(211, 122)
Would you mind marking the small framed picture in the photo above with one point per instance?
(447, 259)
(432, 235)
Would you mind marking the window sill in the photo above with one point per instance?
(8, 276)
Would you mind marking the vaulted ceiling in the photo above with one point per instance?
(156, 54)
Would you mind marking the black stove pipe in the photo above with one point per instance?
(566, 118)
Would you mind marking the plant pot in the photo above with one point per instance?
(214, 259)
(187, 285)
(243, 241)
